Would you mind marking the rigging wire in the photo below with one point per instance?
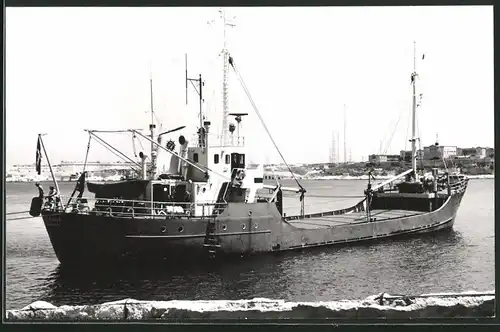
(407, 129)
(140, 143)
(384, 140)
(113, 148)
(133, 145)
(200, 167)
(116, 154)
(231, 62)
(87, 154)
(393, 132)
(328, 196)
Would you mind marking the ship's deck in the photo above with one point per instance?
(350, 218)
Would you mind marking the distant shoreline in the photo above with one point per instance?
(365, 177)
(319, 178)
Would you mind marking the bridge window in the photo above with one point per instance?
(228, 159)
(216, 158)
(195, 157)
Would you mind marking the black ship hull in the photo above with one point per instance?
(242, 229)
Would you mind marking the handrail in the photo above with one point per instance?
(146, 201)
(136, 208)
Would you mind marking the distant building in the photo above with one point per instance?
(377, 158)
(477, 153)
(433, 152)
(468, 152)
(405, 155)
(383, 158)
(480, 153)
(447, 151)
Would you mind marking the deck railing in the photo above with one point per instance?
(458, 186)
(137, 208)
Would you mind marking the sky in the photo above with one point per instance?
(70, 69)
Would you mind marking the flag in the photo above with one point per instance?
(38, 163)
(80, 185)
(423, 56)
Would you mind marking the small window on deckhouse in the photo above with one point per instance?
(228, 159)
(216, 158)
(195, 157)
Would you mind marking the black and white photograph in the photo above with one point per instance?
(167, 163)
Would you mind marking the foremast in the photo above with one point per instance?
(413, 139)
(152, 127)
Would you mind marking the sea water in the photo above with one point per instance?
(455, 261)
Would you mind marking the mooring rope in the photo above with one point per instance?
(19, 218)
(29, 217)
(18, 212)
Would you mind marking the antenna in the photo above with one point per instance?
(199, 90)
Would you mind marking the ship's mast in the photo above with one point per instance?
(225, 82)
(414, 110)
(152, 127)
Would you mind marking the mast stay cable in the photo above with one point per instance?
(388, 144)
(87, 154)
(231, 62)
(114, 150)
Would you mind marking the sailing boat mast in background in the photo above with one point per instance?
(225, 81)
(345, 136)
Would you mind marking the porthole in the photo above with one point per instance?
(249, 213)
(163, 229)
(181, 229)
(256, 225)
(243, 226)
(224, 227)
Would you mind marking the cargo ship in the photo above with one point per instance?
(211, 203)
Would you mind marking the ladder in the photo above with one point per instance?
(211, 240)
